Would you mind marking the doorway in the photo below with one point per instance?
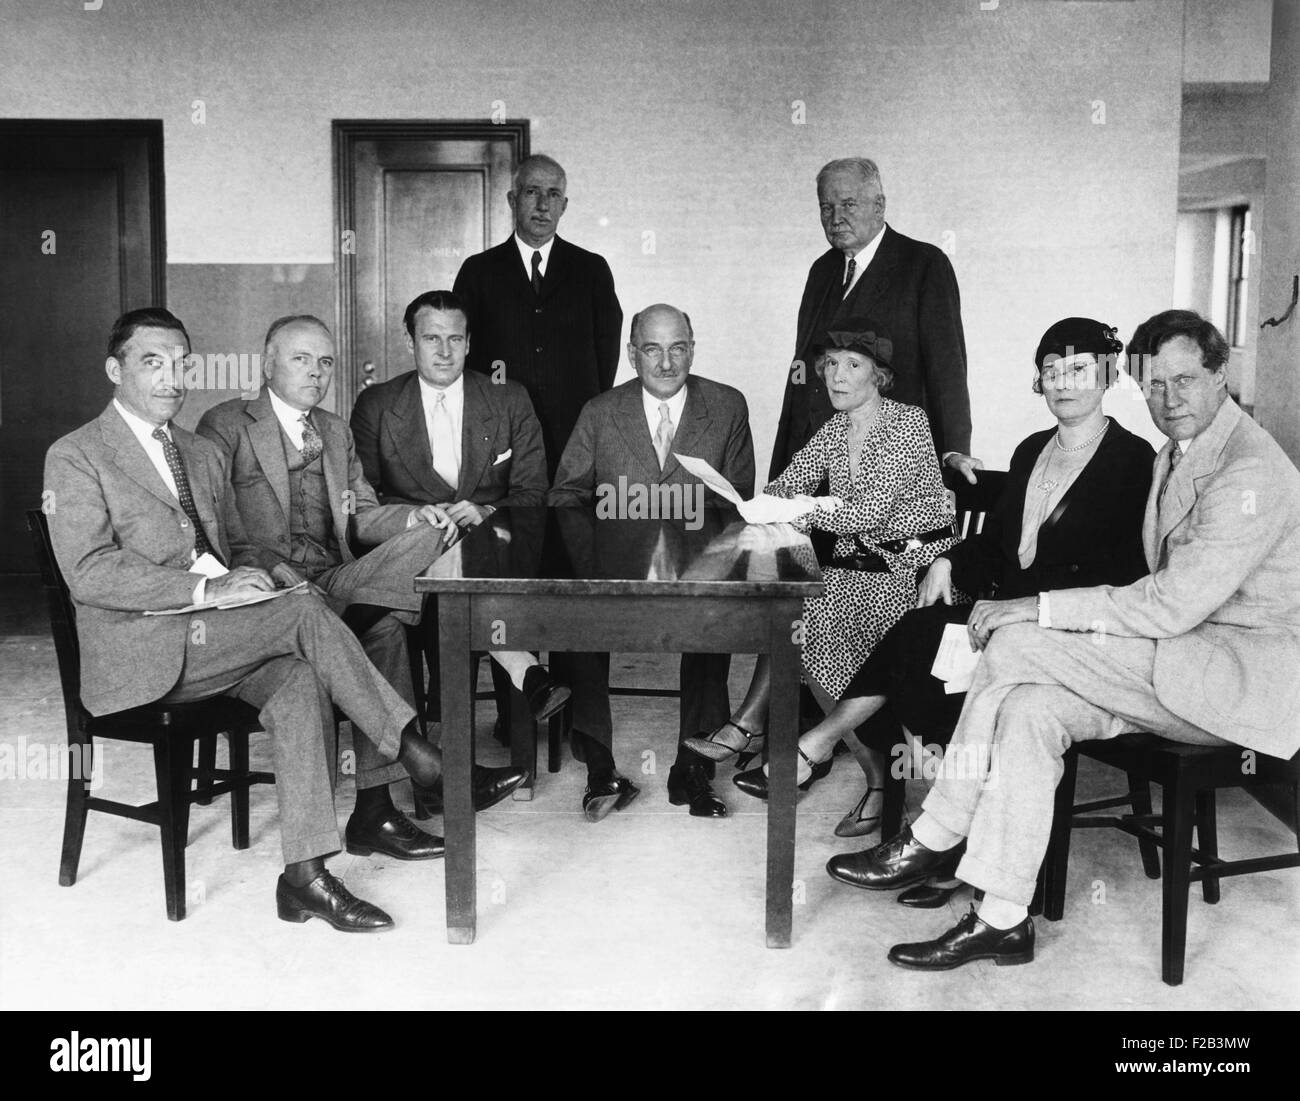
(412, 201)
(81, 241)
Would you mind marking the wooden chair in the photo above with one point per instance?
(1189, 776)
(170, 729)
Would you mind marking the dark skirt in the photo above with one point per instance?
(899, 669)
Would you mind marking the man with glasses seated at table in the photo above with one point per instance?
(627, 437)
(1201, 651)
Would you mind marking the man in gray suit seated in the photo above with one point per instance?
(304, 503)
(1199, 651)
(631, 433)
(142, 518)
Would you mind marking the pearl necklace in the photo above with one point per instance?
(1047, 484)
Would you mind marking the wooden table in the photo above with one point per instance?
(563, 579)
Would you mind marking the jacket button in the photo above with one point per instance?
(538, 351)
(538, 310)
(185, 523)
(1074, 568)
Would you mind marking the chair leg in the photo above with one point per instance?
(415, 652)
(556, 726)
(207, 766)
(74, 819)
(1140, 790)
(1057, 862)
(171, 762)
(238, 742)
(1177, 826)
(1207, 840)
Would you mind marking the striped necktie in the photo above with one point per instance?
(175, 464)
(848, 275)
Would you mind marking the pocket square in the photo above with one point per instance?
(503, 456)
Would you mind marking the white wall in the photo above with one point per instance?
(1050, 172)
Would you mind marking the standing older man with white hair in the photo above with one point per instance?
(909, 287)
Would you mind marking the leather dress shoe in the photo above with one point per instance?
(326, 898)
(925, 897)
(901, 861)
(393, 835)
(490, 786)
(545, 695)
(690, 786)
(970, 939)
(605, 795)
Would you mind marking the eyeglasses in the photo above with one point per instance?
(1073, 374)
(1180, 384)
(654, 353)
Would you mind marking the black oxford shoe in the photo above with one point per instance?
(490, 786)
(393, 835)
(608, 794)
(970, 939)
(326, 898)
(544, 693)
(901, 861)
(689, 786)
(926, 897)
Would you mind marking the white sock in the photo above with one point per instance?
(516, 663)
(1001, 914)
(933, 836)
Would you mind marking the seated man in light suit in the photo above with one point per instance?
(631, 432)
(142, 518)
(303, 502)
(1199, 651)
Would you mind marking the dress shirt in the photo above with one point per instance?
(526, 254)
(651, 404)
(290, 418)
(862, 259)
(455, 409)
(142, 430)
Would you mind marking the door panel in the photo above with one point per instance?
(80, 242)
(418, 199)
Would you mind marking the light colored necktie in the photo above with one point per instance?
(1175, 457)
(848, 275)
(446, 458)
(312, 444)
(664, 435)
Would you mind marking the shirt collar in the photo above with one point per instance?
(455, 391)
(868, 251)
(675, 405)
(526, 253)
(289, 417)
(141, 428)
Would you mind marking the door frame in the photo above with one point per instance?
(152, 132)
(346, 134)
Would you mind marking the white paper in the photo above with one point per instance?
(233, 601)
(955, 662)
(763, 509)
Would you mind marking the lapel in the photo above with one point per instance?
(334, 459)
(478, 430)
(558, 268)
(876, 280)
(268, 445)
(693, 429)
(629, 418)
(516, 273)
(130, 457)
(831, 278)
(1014, 494)
(1090, 470)
(1198, 462)
(410, 438)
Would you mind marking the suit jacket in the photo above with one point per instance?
(612, 439)
(124, 545)
(250, 435)
(502, 461)
(911, 290)
(562, 347)
(1221, 601)
(1092, 537)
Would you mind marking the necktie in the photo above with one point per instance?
(664, 435)
(1175, 457)
(537, 273)
(311, 441)
(848, 275)
(173, 456)
(446, 460)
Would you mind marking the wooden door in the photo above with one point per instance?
(414, 199)
(81, 241)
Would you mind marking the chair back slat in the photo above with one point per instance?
(973, 503)
(63, 618)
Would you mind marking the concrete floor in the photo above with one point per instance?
(648, 909)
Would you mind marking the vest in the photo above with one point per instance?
(313, 546)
